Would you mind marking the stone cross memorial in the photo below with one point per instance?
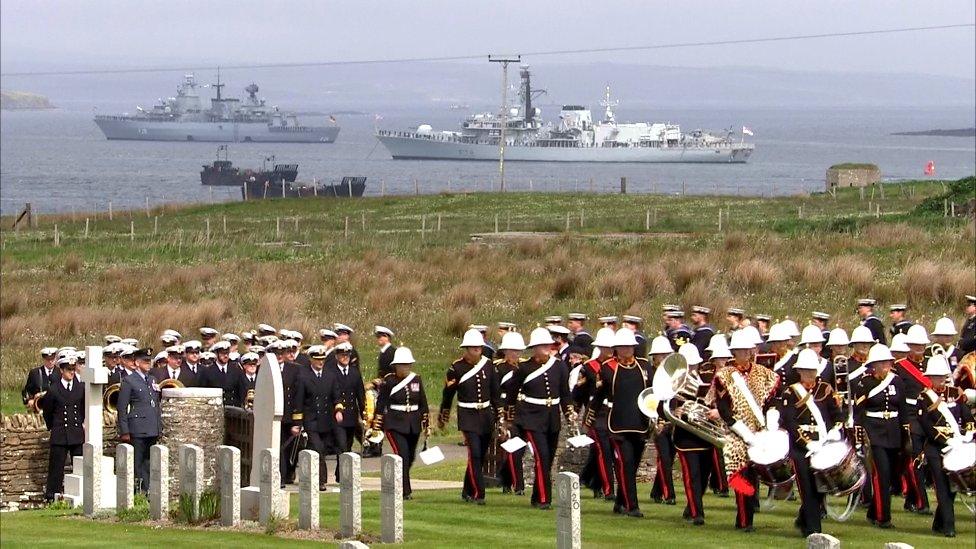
(308, 490)
(158, 482)
(191, 475)
(229, 473)
(101, 489)
(391, 498)
(124, 476)
(568, 525)
(350, 495)
(95, 376)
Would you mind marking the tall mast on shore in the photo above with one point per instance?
(501, 141)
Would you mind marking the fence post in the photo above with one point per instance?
(591, 185)
(496, 222)
(647, 220)
(208, 230)
(57, 236)
(155, 225)
(416, 186)
(225, 224)
(438, 222)
(86, 227)
(110, 210)
(147, 207)
(132, 231)
(623, 185)
(720, 219)
(346, 231)
(363, 216)
(277, 228)
(423, 226)
(296, 224)
(382, 187)
(581, 219)
(567, 221)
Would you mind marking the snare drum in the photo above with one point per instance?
(960, 466)
(770, 458)
(837, 469)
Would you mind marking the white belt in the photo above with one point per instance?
(539, 401)
(912, 401)
(404, 407)
(474, 405)
(883, 415)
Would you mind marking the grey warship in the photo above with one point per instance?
(185, 118)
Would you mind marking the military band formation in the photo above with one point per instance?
(815, 413)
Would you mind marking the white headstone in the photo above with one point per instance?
(391, 498)
(269, 405)
(124, 476)
(308, 490)
(92, 477)
(229, 473)
(158, 482)
(822, 541)
(95, 376)
(568, 525)
(353, 544)
(191, 475)
(271, 494)
(897, 545)
(350, 495)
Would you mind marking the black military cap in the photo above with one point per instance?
(144, 353)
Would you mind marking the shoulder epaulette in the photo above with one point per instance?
(498, 361)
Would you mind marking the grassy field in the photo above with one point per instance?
(304, 264)
(439, 519)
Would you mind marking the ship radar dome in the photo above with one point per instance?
(424, 129)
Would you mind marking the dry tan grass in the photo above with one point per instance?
(735, 241)
(851, 274)
(456, 323)
(755, 274)
(463, 296)
(566, 285)
(925, 282)
(688, 270)
(900, 235)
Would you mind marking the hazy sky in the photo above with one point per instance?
(39, 34)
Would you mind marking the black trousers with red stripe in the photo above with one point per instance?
(405, 446)
(915, 477)
(663, 487)
(509, 467)
(884, 461)
(811, 501)
(716, 472)
(746, 505)
(474, 476)
(695, 466)
(598, 473)
(543, 445)
(627, 450)
(944, 519)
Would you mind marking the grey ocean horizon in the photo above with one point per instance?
(60, 162)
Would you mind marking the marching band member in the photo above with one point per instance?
(947, 422)
(540, 387)
(743, 392)
(909, 369)
(943, 334)
(883, 416)
(402, 412)
(618, 391)
(634, 323)
(812, 416)
(39, 379)
(812, 338)
(861, 342)
(820, 320)
(694, 454)
(598, 473)
(779, 342)
(720, 355)
(509, 467)
(472, 379)
(662, 491)
(837, 343)
(899, 349)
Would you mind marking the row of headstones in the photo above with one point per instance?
(271, 499)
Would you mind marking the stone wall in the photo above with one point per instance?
(193, 415)
(24, 445)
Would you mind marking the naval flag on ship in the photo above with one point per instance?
(746, 130)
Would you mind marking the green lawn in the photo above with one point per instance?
(440, 519)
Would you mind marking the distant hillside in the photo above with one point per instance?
(962, 132)
(23, 101)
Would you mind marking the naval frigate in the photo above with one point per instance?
(575, 138)
(185, 118)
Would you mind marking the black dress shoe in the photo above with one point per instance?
(323, 487)
(657, 500)
(699, 521)
(924, 511)
(636, 513)
(408, 496)
(466, 498)
(749, 529)
(618, 509)
(506, 490)
(950, 533)
(610, 497)
(723, 494)
(545, 506)
(669, 501)
(520, 492)
(480, 501)
(885, 525)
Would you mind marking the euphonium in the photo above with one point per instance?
(249, 400)
(673, 378)
(171, 384)
(370, 435)
(110, 398)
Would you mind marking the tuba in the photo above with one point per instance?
(171, 384)
(673, 378)
(110, 398)
(371, 436)
(249, 400)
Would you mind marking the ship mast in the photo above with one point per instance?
(501, 141)
(218, 85)
(608, 114)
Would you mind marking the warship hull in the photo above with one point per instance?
(405, 145)
(123, 128)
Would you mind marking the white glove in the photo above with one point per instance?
(772, 419)
(813, 447)
(952, 443)
(968, 437)
(744, 432)
(833, 435)
(970, 396)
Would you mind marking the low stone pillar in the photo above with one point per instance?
(229, 460)
(158, 482)
(897, 545)
(270, 488)
(391, 498)
(822, 541)
(191, 476)
(92, 478)
(353, 544)
(568, 525)
(308, 490)
(124, 477)
(350, 495)
(193, 415)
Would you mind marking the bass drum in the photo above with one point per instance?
(959, 464)
(837, 469)
(770, 458)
